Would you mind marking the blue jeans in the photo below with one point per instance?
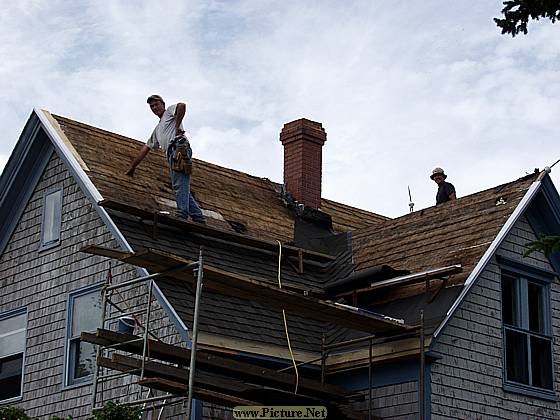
(186, 204)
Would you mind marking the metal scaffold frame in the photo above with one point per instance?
(112, 311)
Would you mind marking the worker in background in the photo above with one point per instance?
(170, 137)
(446, 191)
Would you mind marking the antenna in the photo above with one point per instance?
(410, 203)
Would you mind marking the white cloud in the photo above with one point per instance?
(399, 87)
(3, 161)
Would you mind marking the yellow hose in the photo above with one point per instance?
(284, 315)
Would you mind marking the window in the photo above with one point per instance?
(52, 217)
(84, 314)
(527, 333)
(12, 350)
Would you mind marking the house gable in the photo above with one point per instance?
(468, 378)
(542, 199)
(39, 280)
(26, 164)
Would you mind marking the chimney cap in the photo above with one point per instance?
(312, 130)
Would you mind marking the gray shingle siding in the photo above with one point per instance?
(395, 402)
(41, 281)
(467, 381)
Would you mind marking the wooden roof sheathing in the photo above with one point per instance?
(456, 232)
(235, 195)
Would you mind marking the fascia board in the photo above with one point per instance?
(552, 196)
(20, 177)
(483, 262)
(68, 158)
(81, 177)
(18, 156)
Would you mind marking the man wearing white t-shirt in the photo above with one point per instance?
(167, 135)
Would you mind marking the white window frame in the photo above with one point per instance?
(69, 353)
(8, 315)
(56, 218)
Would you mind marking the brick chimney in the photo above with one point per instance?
(303, 141)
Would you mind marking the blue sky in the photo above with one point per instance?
(400, 86)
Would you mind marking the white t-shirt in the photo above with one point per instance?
(165, 130)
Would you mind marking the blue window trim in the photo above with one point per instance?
(7, 315)
(57, 218)
(544, 278)
(543, 394)
(68, 382)
(517, 267)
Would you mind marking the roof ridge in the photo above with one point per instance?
(338, 203)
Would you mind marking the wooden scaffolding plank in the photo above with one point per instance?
(105, 252)
(122, 341)
(261, 291)
(199, 393)
(203, 379)
(216, 232)
(215, 363)
(208, 387)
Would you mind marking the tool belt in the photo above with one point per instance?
(179, 155)
(182, 163)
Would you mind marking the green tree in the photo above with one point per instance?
(13, 413)
(547, 244)
(17, 413)
(116, 411)
(517, 14)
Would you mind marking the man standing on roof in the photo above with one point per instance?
(170, 136)
(446, 191)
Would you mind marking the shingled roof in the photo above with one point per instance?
(456, 232)
(238, 197)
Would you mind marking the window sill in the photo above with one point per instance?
(79, 384)
(11, 400)
(44, 247)
(543, 394)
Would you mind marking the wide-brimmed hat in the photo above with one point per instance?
(438, 171)
(154, 98)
